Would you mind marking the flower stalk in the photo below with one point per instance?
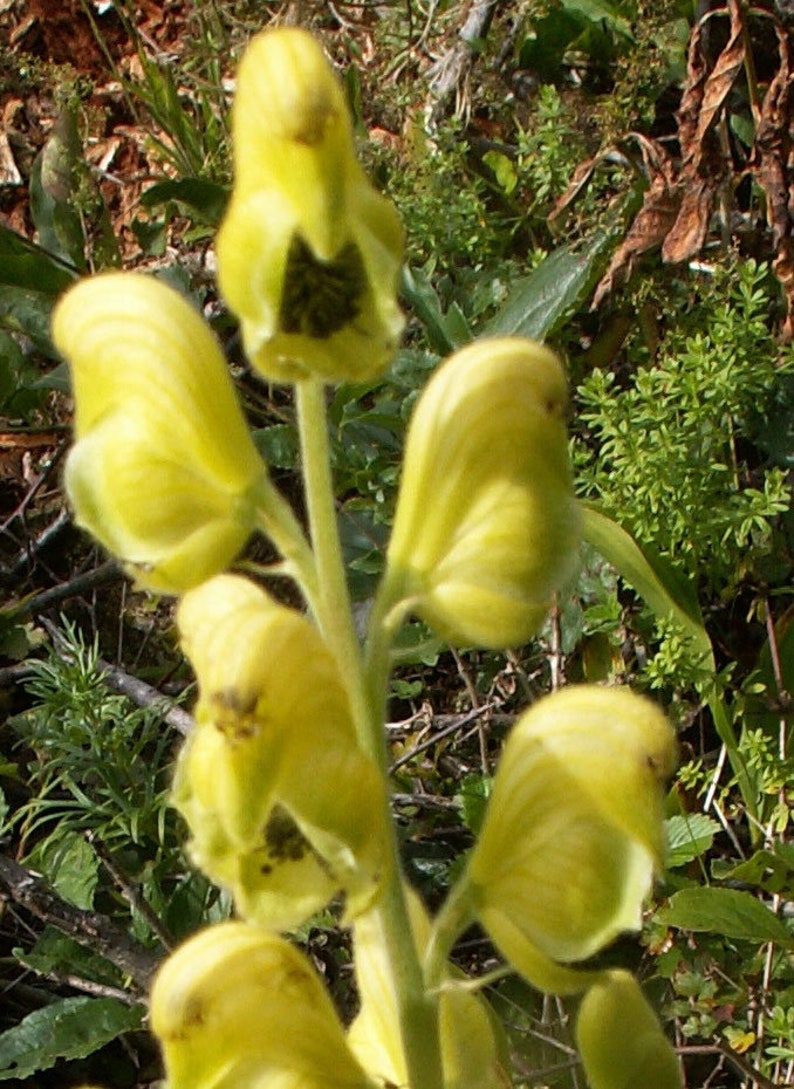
(284, 782)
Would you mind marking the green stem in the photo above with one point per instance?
(366, 685)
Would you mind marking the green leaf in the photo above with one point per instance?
(278, 445)
(445, 333)
(772, 871)
(730, 912)
(688, 836)
(27, 312)
(26, 265)
(539, 303)
(205, 198)
(503, 168)
(71, 866)
(54, 181)
(475, 790)
(70, 1028)
(56, 953)
(657, 585)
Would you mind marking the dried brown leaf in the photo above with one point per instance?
(688, 233)
(651, 224)
(770, 162)
(721, 78)
(692, 96)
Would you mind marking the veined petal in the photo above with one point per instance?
(240, 1008)
(486, 526)
(171, 527)
(129, 336)
(273, 784)
(308, 253)
(164, 469)
(292, 133)
(573, 829)
(620, 1040)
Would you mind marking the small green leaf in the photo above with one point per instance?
(445, 333)
(475, 790)
(71, 866)
(730, 912)
(70, 1028)
(24, 264)
(278, 445)
(688, 837)
(503, 168)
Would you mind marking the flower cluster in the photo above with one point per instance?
(282, 782)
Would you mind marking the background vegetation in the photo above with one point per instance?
(611, 176)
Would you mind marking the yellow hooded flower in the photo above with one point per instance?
(473, 1049)
(486, 527)
(164, 469)
(573, 830)
(309, 253)
(620, 1040)
(237, 1007)
(279, 799)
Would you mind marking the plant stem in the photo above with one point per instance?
(366, 685)
(275, 518)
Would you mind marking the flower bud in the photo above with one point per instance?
(277, 794)
(620, 1040)
(238, 1006)
(486, 527)
(309, 253)
(164, 468)
(573, 829)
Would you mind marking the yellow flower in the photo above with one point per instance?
(620, 1040)
(164, 470)
(573, 830)
(486, 527)
(237, 1007)
(309, 253)
(473, 1049)
(279, 799)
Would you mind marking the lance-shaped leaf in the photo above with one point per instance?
(237, 1007)
(573, 830)
(487, 527)
(164, 471)
(309, 254)
(279, 799)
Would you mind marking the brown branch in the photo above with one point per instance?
(745, 1068)
(449, 74)
(91, 929)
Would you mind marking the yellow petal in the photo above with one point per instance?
(486, 526)
(308, 253)
(620, 1040)
(164, 469)
(236, 1006)
(472, 1051)
(272, 784)
(573, 829)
